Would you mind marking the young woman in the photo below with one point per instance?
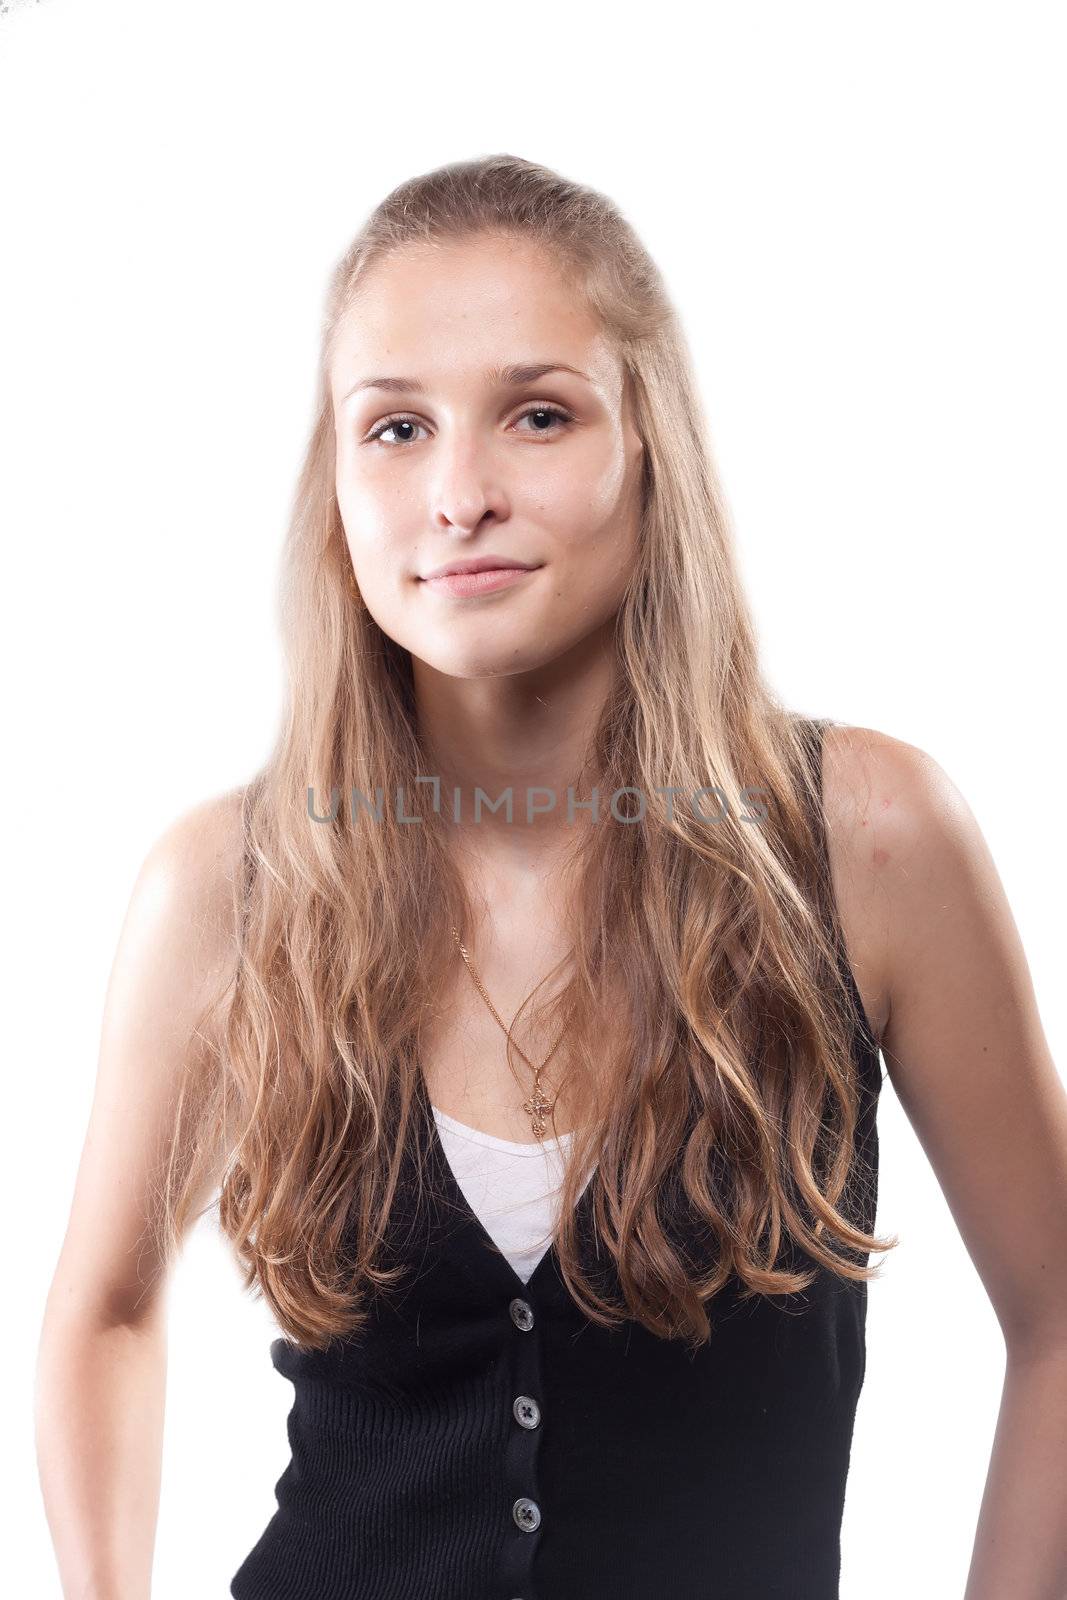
(525, 1010)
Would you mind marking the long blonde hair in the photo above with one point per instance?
(706, 1010)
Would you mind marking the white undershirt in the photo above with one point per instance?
(513, 1188)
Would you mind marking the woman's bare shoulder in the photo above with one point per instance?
(202, 842)
(868, 777)
(181, 921)
(173, 961)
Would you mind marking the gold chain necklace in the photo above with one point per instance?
(537, 1106)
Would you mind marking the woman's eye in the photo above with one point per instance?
(549, 413)
(394, 422)
(548, 419)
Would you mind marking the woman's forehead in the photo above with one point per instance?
(476, 306)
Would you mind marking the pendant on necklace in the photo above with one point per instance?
(537, 1105)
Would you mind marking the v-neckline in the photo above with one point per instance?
(499, 1262)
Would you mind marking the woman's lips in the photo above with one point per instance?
(467, 583)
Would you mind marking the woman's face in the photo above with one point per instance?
(445, 457)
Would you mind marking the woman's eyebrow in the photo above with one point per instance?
(507, 377)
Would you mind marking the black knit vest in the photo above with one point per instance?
(482, 1439)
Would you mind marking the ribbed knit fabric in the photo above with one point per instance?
(483, 1440)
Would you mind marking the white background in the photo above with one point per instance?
(859, 213)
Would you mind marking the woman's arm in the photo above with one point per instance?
(101, 1368)
(967, 1057)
